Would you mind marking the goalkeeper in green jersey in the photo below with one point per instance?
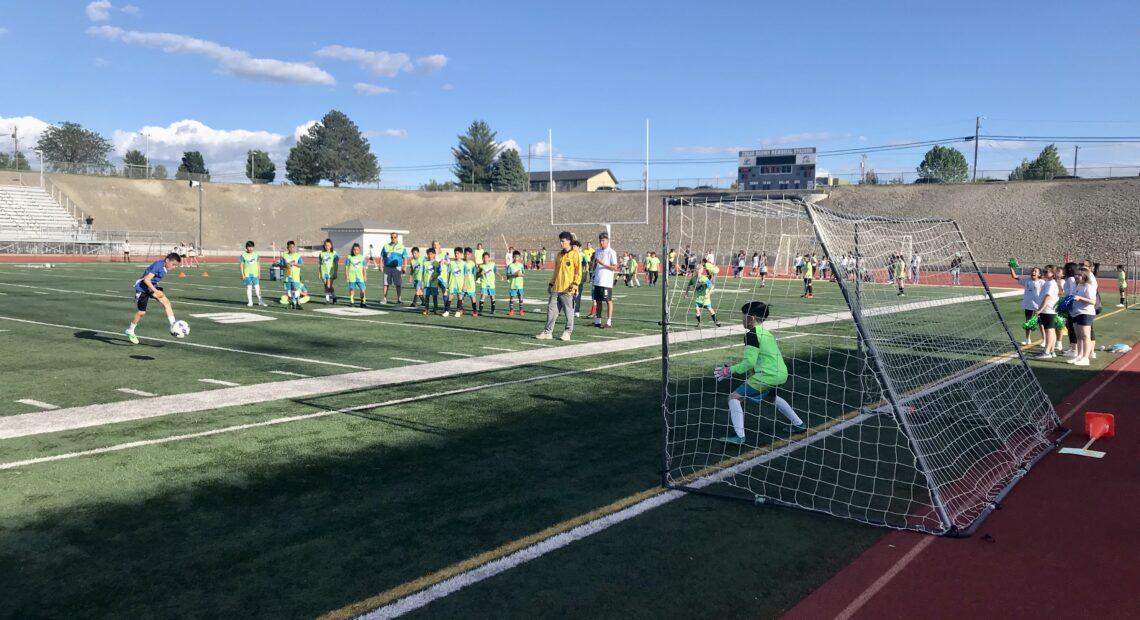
(767, 372)
(327, 259)
(356, 272)
(1122, 285)
(899, 268)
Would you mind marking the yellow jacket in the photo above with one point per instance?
(567, 271)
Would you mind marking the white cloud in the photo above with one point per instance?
(371, 89)
(302, 129)
(540, 149)
(447, 87)
(232, 61)
(28, 128)
(398, 134)
(131, 9)
(98, 10)
(223, 149)
(387, 64)
(509, 144)
(708, 150)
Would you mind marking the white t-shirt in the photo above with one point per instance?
(915, 261)
(755, 262)
(1031, 299)
(1083, 307)
(126, 247)
(798, 262)
(604, 276)
(1049, 292)
(1070, 286)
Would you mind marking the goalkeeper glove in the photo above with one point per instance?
(721, 373)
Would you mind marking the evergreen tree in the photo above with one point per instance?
(302, 167)
(134, 164)
(259, 168)
(159, 172)
(508, 173)
(1021, 172)
(193, 167)
(1048, 164)
(333, 150)
(19, 163)
(475, 155)
(944, 164)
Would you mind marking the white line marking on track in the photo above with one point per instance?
(321, 414)
(408, 359)
(456, 354)
(500, 349)
(883, 580)
(133, 391)
(288, 374)
(37, 403)
(220, 382)
(188, 344)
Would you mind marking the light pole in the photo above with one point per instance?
(40, 153)
(198, 184)
(147, 136)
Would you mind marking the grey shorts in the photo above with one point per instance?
(393, 276)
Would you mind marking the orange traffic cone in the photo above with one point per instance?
(181, 274)
(1097, 426)
(205, 274)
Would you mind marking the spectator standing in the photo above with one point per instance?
(126, 250)
(605, 266)
(393, 255)
(562, 288)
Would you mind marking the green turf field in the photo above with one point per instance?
(300, 506)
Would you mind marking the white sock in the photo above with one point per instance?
(786, 410)
(131, 328)
(736, 413)
(171, 319)
(249, 293)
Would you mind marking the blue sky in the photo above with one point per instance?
(711, 78)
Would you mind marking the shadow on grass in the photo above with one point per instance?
(114, 340)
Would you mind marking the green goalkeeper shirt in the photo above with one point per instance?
(762, 359)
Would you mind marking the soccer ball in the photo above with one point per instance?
(180, 329)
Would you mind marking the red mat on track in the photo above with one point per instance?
(1065, 544)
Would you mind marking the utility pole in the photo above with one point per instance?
(528, 167)
(16, 148)
(1076, 149)
(977, 131)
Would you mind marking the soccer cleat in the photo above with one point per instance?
(1045, 355)
(510, 312)
(577, 315)
(446, 313)
(132, 337)
(1081, 362)
(522, 313)
(1119, 305)
(717, 324)
(795, 428)
(543, 336)
(598, 325)
(249, 304)
(383, 302)
(607, 326)
(262, 304)
(458, 313)
(1092, 355)
(731, 439)
(1025, 343)
(473, 313)
(565, 337)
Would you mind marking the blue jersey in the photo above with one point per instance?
(158, 268)
(393, 254)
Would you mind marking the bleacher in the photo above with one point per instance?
(30, 213)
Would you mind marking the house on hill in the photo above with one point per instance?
(574, 180)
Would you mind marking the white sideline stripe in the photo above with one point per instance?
(455, 354)
(23, 425)
(185, 343)
(448, 586)
(884, 579)
(133, 391)
(500, 349)
(220, 382)
(37, 403)
(321, 414)
(407, 359)
(535, 344)
(288, 374)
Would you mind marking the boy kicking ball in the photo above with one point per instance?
(763, 359)
(147, 288)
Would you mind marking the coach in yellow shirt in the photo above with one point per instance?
(563, 287)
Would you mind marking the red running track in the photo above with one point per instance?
(1065, 544)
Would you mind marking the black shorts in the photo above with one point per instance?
(1028, 313)
(603, 293)
(1081, 319)
(1047, 321)
(142, 298)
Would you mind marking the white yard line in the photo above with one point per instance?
(133, 391)
(220, 382)
(535, 344)
(185, 343)
(452, 353)
(500, 349)
(322, 414)
(37, 403)
(289, 374)
(96, 415)
(408, 359)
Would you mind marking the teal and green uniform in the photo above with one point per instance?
(469, 278)
(328, 261)
(762, 359)
(292, 264)
(356, 265)
(421, 272)
(702, 295)
(455, 280)
(487, 280)
(515, 273)
(250, 268)
(440, 275)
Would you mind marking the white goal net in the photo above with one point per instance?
(917, 409)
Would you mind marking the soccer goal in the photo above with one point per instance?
(919, 411)
(789, 247)
(1132, 280)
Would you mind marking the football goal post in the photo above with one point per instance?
(918, 409)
